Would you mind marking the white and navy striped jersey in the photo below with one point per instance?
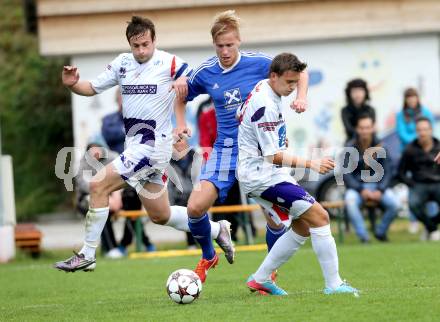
(262, 133)
(147, 102)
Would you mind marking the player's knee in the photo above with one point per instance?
(159, 219)
(96, 188)
(195, 209)
(323, 217)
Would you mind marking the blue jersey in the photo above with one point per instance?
(228, 89)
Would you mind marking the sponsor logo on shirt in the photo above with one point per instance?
(269, 126)
(232, 98)
(139, 89)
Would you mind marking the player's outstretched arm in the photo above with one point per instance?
(285, 159)
(300, 103)
(70, 78)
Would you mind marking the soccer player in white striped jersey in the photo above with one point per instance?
(263, 170)
(145, 77)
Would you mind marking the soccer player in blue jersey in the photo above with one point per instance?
(228, 78)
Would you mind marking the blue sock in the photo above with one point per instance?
(201, 230)
(272, 235)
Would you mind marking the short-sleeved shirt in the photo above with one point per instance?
(147, 102)
(262, 133)
(228, 88)
(147, 106)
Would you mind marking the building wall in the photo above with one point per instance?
(389, 64)
(391, 43)
(79, 27)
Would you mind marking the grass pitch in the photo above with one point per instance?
(399, 281)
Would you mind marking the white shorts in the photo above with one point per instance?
(140, 164)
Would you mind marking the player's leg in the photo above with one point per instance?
(102, 185)
(177, 216)
(324, 246)
(285, 247)
(273, 230)
(199, 202)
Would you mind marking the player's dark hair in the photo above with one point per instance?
(423, 119)
(364, 116)
(138, 26)
(356, 83)
(285, 62)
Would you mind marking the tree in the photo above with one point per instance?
(35, 114)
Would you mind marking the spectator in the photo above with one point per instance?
(421, 173)
(357, 96)
(207, 123)
(359, 191)
(406, 118)
(406, 130)
(113, 132)
(95, 158)
(131, 201)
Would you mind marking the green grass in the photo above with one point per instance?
(399, 282)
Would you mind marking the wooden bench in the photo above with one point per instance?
(336, 208)
(28, 237)
(136, 214)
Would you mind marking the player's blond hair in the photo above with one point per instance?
(225, 21)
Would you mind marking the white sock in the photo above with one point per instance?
(179, 220)
(95, 222)
(282, 250)
(324, 246)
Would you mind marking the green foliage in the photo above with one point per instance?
(35, 114)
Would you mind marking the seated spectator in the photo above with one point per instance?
(357, 97)
(359, 191)
(406, 118)
(419, 170)
(131, 201)
(95, 158)
(406, 130)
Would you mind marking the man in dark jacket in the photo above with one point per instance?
(357, 96)
(421, 173)
(369, 181)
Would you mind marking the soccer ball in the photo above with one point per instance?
(184, 286)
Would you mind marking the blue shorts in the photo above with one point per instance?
(220, 170)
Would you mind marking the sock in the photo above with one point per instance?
(201, 231)
(280, 253)
(272, 235)
(95, 221)
(324, 246)
(179, 220)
